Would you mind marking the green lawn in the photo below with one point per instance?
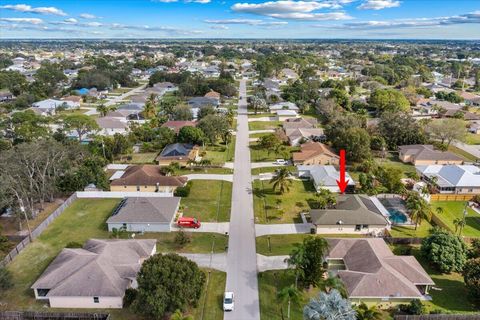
(392, 161)
(74, 111)
(269, 283)
(461, 153)
(259, 154)
(454, 209)
(263, 125)
(410, 232)
(258, 135)
(209, 199)
(284, 244)
(210, 303)
(139, 158)
(452, 294)
(219, 153)
(273, 207)
(257, 171)
(261, 115)
(201, 242)
(202, 170)
(473, 138)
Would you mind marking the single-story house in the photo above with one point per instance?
(372, 273)
(474, 128)
(132, 106)
(212, 94)
(325, 177)
(182, 153)
(299, 135)
(146, 178)
(74, 101)
(177, 125)
(126, 115)
(315, 153)
(95, 276)
(282, 115)
(271, 85)
(109, 126)
(457, 179)
(297, 123)
(469, 98)
(144, 214)
(422, 154)
(166, 86)
(353, 213)
(289, 74)
(285, 105)
(53, 104)
(196, 103)
(6, 96)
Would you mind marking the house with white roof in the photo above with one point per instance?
(324, 177)
(54, 104)
(286, 105)
(456, 179)
(283, 115)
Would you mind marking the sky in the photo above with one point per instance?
(164, 19)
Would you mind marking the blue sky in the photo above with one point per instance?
(415, 19)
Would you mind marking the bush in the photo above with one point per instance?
(129, 297)
(182, 238)
(447, 252)
(6, 280)
(415, 307)
(471, 276)
(73, 245)
(402, 250)
(183, 191)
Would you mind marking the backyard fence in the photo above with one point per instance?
(439, 317)
(37, 231)
(451, 197)
(32, 315)
(121, 194)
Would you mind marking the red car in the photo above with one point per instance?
(187, 222)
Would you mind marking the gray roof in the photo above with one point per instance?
(323, 175)
(176, 149)
(452, 175)
(297, 123)
(146, 210)
(372, 270)
(350, 210)
(199, 102)
(103, 268)
(427, 152)
(131, 106)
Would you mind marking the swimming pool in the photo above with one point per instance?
(396, 216)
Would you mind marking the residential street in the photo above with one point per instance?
(241, 257)
(472, 149)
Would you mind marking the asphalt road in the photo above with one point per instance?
(241, 257)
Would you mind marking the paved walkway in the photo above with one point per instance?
(472, 149)
(265, 165)
(214, 227)
(241, 257)
(265, 263)
(205, 176)
(217, 261)
(286, 228)
(262, 119)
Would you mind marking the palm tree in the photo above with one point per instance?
(288, 294)
(366, 313)
(419, 209)
(281, 180)
(439, 210)
(459, 223)
(150, 109)
(104, 110)
(330, 283)
(178, 315)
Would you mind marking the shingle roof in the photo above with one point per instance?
(147, 175)
(101, 268)
(325, 175)
(452, 175)
(350, 210)
(427, 152)
(176, 149)
(297, 133)
(313, 149)
(146, 210)
(372, 270)
(295, 123)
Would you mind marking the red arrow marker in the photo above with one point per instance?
(342, 184)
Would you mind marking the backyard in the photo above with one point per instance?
(272, 207)
(208, 200)
(451, 210)
(263, 125)
(139, 158)
(260, 154)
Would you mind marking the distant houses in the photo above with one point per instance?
(451, 179)
(419, 154)
(315, 153)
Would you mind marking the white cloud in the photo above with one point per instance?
(378, 4)
(312, 16)
(87, 16)
(251, 22)
(219, 27)
(23, 20)
(199, 1)
(30, 9)
(93, 24)
(71, 20)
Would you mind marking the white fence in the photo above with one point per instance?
(121, 194)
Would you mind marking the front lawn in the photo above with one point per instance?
(460, 152)
(202, 170)
(139, 158)
(209, 200)
(200, 242)
(453, 210)
(473, 138)
(263, 125)
(260, 154)
(272, 207)
(219, 153)
(210, 304)
(257, 171)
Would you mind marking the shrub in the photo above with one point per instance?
(183, 191)
(471, 276)
(129, 297)
(447, 252)
(415, 307)
(73, 245)
(6, 280)
(182, 238)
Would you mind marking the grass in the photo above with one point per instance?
(261, 115)
(473, 138)
(73, 111)
(272, 207)
(462, 153)
(410, 232)
(259, 154)
(210, 303)
(452, 294)
(257, 171)
(453, 210)
(263, 125)
(219, 153)
(283, 244)
(201, 170)
(201, 242)
(393, 162)
(209, 201)
(269, 283)
(139, 158)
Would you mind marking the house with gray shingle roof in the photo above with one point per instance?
(142, 214)
(95, 276)
(354, 213)
(459, 179)
(372, 273)
(423, 154)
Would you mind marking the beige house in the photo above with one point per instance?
(181, 153)
(421, 154)
(95, 276)
(146, 178)
(358, 214)
(315, 153)
(372, 273)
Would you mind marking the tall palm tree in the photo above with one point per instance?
(366, 313)
(439, 210)
(150, 109)
(459, 223)
(104, 110)
(330, 283)
(288, 294)
(419, 209)
(281, 180)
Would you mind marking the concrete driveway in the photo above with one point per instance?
(287, 228)
(206, 176)
(265, 165)
(214, 227)
(217, 261)
(265, 263)
(261, 131)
